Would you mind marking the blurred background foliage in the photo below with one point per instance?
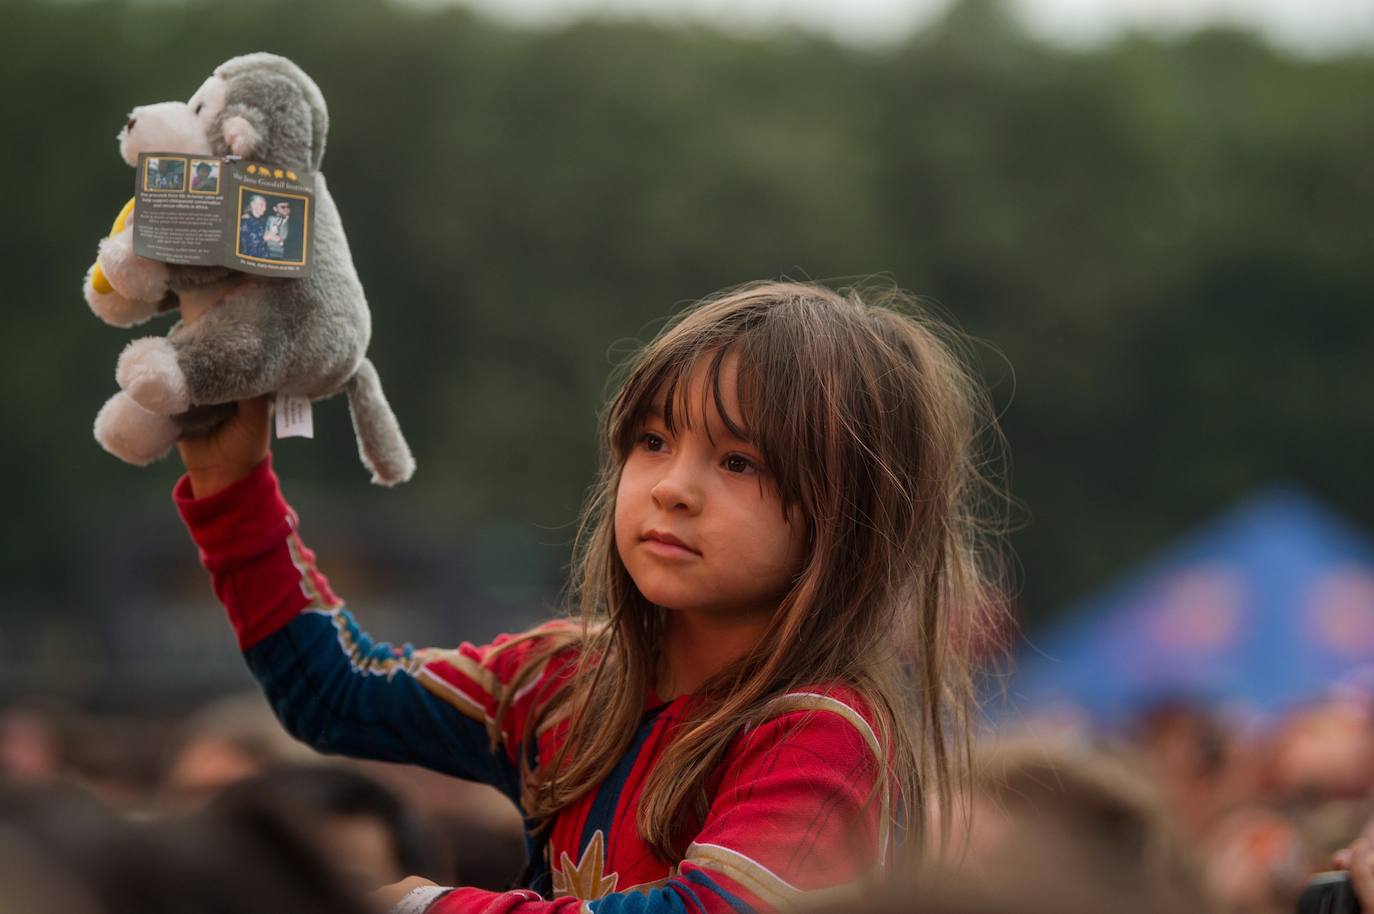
(1164, 243)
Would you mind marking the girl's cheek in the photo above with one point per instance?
(620, 523)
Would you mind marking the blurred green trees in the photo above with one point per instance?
(1167, 244)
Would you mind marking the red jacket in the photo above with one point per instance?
(792, 804)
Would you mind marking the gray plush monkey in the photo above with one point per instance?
(301, 337)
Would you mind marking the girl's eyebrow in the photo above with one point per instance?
(717, 427)
(731, 437)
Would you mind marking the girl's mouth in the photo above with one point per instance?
(663, 543)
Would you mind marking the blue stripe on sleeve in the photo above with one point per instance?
(705, 881)
(339, 691)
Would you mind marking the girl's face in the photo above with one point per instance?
(698, 522)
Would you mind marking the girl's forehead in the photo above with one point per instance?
(706, 396)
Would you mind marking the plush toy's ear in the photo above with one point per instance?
(242, 129)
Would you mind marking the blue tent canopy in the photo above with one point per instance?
(1268, 606)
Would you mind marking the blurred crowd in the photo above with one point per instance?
(1182, 809)
(224, 812)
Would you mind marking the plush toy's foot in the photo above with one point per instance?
(131, 433)
(134, 277)
(111, 307)
(149, 373)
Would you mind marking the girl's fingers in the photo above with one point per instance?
(1341, 859)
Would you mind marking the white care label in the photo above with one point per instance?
(293, 417)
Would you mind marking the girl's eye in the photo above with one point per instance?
(651, 442)
(738, 463)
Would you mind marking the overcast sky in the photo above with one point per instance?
(1309, 26)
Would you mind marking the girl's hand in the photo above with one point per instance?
(385, 898)
(232, 451)
(1358, 858)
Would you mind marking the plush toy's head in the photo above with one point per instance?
(264, 107)
(258, 106)
(164, 127)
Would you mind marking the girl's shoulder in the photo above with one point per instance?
(503, 682)
(815, 747)
(511, 663)
(836, 715)
(551, 647)
(838, 698)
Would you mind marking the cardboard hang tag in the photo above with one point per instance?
(210, 211)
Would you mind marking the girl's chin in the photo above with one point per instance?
(711, 611)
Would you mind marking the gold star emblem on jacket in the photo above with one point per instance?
(585, 880)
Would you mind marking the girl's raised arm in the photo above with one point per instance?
(332, 686)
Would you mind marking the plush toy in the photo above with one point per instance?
(240, 336)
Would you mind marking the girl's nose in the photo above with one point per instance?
(675, 491)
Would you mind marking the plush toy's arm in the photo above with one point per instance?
(122, 288)
(98, 281)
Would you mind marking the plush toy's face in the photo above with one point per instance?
(164, 127)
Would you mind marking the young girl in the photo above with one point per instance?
(777, 577)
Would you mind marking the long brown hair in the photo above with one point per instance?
(869, 425)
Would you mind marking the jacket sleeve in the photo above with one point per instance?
(797, 812)
(332, 685)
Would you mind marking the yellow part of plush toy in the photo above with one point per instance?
(98, 280)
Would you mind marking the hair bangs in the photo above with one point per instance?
(684, 378)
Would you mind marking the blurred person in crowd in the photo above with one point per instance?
(1323, 751)
(115, 756)
(30, 746)
(1187, 748)
(74, 838)
(79, 856)
(32, 883)
(225, 741)
(1084, 814)
(481, 832)
(1329, 826)
(1358, 857)
(1256, 860)
(1015, 890)
(365, 829)
(249, 862)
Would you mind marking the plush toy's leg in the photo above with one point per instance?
(148, 372)
(131, 433)
(225, 354)
(109, 305)
(380, 444)
(134, 277)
